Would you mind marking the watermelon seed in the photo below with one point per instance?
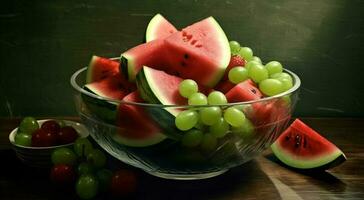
(186, 56)
(199, 45)
(184, 33)
(183, 64)
(298, 140)
(193, 42)
(287, 138)
(254, 91)
(304, 142)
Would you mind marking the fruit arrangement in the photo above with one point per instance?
(195, 87)
(50, 133)
(84, 167)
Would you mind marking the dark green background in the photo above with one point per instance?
(42, 43)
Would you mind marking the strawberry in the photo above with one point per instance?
(235, 60)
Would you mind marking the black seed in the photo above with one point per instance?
(186, 56)
(254, 91)
(183, 64)
(297, 145)
(304, 142)
(287, 138)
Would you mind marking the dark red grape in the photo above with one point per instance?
(123, 183)
(62, 174)
(66, 135)
(51, 126)
(42, 138)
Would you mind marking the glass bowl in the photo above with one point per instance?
(164, 155)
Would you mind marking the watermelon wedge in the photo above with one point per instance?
(136, 128)
(101, 68)
(200, 52)
(302, 147)
(244, 91)
(159, 28)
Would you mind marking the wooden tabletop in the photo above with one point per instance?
(261, 178)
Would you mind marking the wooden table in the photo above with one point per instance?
(261, 178)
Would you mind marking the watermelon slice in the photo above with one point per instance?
(159, 28)
(302, 147)
(244, 91)
(200, 52)
(101, 68)
(158, 87)
(137, 129)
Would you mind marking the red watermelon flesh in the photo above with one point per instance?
(302, 147)
(101, 68)
(159, 28)
(244, 91)
(136, 127)
(200, 52)
(113, 87)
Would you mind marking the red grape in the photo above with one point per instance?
(62, 174)
(67, 134)
(42, 138)
(123, 183)
(51, 126)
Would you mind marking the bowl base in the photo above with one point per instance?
(186, 176)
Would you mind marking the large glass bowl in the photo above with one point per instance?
(169, 158)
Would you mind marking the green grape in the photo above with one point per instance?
(258, 73)
(246, 53)
(187, 88)
(286, 83)
(234, 47)
(82, 147)
(271, 87)
(87, 186)
(23, 139)
(200, 126)
(245, 130)
(238, 74)
(274, 67)
(28, 125)
(216, 98)
(208, 143)
(97, 158)
(281, 75)
(192, 138)
(104, 177)
(197, 99)
(186, 120)
(85, 168)
(210, 115)
(63, 156)
(286, 99)
(220, 128)
(256, 59)
(234, 117)
(249, 64)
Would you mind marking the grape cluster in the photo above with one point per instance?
(85, 165)
(50, 133)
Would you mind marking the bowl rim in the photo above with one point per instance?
(75, 85)
(68, 122)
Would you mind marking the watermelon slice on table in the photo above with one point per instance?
(244, 91)
(302, 147)
(159, 28)
(136, 128)
(200, 52)
(101, 68)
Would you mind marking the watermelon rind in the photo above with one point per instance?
(155, 139)
(164, 116)
(89, 70)
(154, 23)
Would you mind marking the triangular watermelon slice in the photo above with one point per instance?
(302, 147)
(200, 52)
(136, 128)
(159, 28)
(101, 68)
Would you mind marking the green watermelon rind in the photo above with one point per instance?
(154, 22)
(306, 162)
(145, 142)
(127, 66)
(89, 69)
(148, 91)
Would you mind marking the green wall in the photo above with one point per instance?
(42, 44)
